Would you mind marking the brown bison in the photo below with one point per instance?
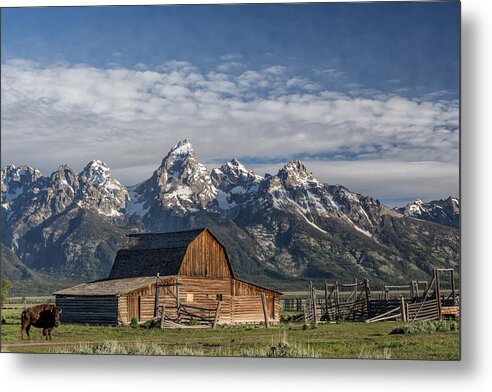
(40, 316)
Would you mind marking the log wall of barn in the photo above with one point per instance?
(88, 310)
(144, 299)
(247, 304)
(244, 307)
(206, 292)
(205, 257)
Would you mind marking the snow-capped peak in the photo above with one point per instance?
(295, 174)
(101, 190)
(97, 173)
(445, 211)
(15, 180)
(235, 183)
(184, 147)
(235, 163)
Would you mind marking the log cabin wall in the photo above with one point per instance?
(145, 299)
(206, 257)
(206, 292)
(138, 303)
(94, 310)
(247, 305)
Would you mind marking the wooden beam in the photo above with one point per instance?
(438, 292)
(453, 289)
(265, 313)
(177, 292)
(156, 297)
(163, 316)
(217, 312)
(368, 292)
(337, 294)
(402, 308)
(314, 305)
(326, 298)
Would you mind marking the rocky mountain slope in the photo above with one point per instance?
(446, 212)
(282, 230)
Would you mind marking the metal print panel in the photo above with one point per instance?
(265, 180)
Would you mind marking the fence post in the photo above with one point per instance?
(314, 305)
(438, 292)
(453, 290)
(156, 298)
(402, 309)
(326, 298)
(337, 300)
(217, 312)
(163, 315)
(368, 293)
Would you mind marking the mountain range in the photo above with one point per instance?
(282, 230)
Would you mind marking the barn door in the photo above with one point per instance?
(133, 308)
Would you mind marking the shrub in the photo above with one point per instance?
(134, 322)
(425, 326)
(284, 349)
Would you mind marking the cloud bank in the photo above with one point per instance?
(131, 117)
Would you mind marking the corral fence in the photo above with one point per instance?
(418, 300)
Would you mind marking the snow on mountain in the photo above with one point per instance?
(180, 185)
(235, 184)
(16, 180)
(445, 212)
(296, 190)
(289, 223)
(99, 189)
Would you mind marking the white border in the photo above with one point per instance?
(474, 372)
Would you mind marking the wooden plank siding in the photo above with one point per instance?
(88, 310)
(206, 292)
(206, 257)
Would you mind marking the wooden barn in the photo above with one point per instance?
(184, 275)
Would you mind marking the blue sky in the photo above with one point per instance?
(378, 45)
(334, 84)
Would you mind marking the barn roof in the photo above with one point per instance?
(152, 253)
(108, 287)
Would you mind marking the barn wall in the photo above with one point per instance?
(144, 298)
(205, 257)
(88, 310)
(247, 304)
(205, 293)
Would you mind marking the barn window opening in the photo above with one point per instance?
(219, 297)
(189, 297)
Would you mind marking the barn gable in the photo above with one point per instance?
(206, 257)
(179, 253)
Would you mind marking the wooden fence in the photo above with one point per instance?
(423, 302)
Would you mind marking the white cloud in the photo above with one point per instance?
(131, 117)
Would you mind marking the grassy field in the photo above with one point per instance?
(340, 340)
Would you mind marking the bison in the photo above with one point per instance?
(40, 316)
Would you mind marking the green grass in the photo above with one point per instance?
(341, 340)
